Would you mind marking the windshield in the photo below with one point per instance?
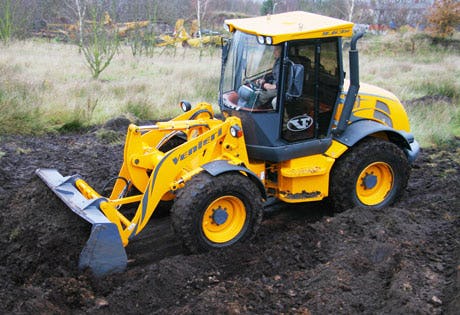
(246, 63)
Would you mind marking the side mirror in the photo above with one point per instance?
(225, 44)
(296, 75)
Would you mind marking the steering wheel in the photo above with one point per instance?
(253, 85)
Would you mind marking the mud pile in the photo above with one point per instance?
(304, 260)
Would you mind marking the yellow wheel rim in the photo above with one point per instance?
(374, 183)
(224, 219)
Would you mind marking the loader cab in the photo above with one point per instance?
(297, 120)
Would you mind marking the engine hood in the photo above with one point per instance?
(372, 90)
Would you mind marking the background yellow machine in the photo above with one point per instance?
(318, 136)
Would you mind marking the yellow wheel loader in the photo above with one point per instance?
(314, 136)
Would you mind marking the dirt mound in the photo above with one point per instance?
(303, 260)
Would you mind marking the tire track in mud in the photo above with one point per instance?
(154, 243)
(157, 240)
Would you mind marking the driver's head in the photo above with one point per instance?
(277, 51)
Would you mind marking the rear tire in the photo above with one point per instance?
(216, 212)
(373, 174)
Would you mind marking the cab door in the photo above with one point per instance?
(309, 115)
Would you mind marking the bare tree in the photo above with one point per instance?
(78, 8)
(351, 9)
(201, 8)
(15, 17)
(343, 9)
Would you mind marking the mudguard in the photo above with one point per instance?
(363, 128)
(216, 168)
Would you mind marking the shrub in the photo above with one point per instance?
(99, 45)
(6, 22)
(444, 17)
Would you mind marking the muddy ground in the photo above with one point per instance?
(304, 260)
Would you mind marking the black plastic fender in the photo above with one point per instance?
(363, 128)
(218, 167)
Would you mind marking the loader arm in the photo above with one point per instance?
(208, 140)
(155, 174)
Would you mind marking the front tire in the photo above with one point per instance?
(216, 212)
(374, 174)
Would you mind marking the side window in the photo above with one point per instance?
(329, 78)
(309, 115)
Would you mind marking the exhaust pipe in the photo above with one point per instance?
(354, 85)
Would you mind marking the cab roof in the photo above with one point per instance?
(292, 26)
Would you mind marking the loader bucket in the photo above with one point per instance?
(104, 252)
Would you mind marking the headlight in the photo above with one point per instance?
(185, 106)
(264, 40)
(260, 39)
(236, 131)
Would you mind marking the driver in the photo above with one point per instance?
(269, 84)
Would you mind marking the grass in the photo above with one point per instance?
(47, 87)
(18, 99)
(409, 77)
(425, 77)
(436, 123)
